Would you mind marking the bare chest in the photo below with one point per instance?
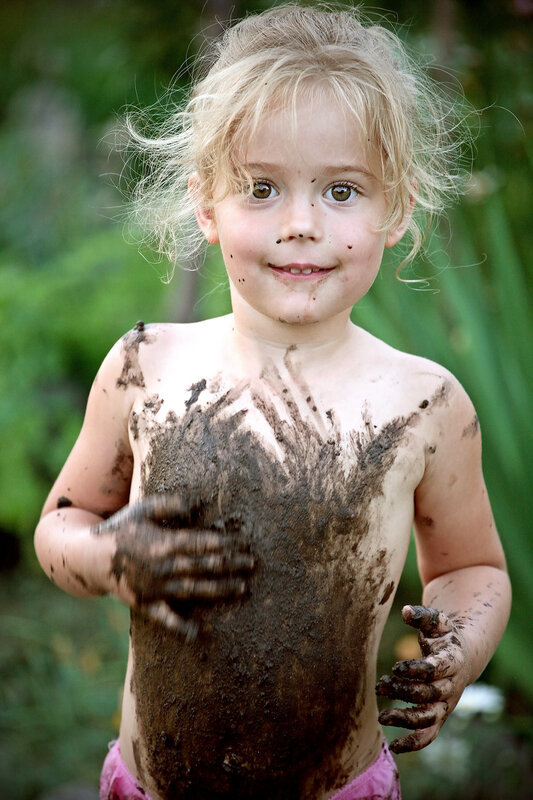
(278, 677)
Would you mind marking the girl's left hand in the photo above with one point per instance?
(433, 683)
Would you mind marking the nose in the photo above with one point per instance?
(300, 220)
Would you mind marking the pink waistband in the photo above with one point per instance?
(378, 782)
(116, 781)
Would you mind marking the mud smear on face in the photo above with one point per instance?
(266, 697)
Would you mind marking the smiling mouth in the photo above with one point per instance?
(300, 269)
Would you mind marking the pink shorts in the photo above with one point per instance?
(378, 782)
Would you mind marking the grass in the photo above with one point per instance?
(62, 663)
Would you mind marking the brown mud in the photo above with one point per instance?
(472, 429)
(131, 371)
(267, 695)
(64, 502)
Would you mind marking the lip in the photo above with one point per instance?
(301, 271)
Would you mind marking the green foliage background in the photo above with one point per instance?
(70, 285)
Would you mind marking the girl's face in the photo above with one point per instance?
(304, 246)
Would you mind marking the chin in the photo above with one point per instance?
(297, 319)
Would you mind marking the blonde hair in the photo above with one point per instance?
(282, 56)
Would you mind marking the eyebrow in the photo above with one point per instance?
(325, 168)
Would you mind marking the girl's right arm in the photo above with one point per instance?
(93, 484)
(90, 542)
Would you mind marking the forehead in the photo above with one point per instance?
(318, 131)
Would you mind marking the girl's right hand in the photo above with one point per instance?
(159, 558)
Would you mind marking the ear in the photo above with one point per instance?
(395, 234)
(205, 215)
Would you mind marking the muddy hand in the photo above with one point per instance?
(161, 557)
(433, 683)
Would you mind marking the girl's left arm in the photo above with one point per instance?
(466, 595)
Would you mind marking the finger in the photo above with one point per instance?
(427, 669)
(159, 506)
(168, 545)
(159, 612)
(201, 542)
(410, 691)
(114, 523)
(152, 508)
(413, 718)
(415, 741)
(429, 621)
(208, 565)
(192, 589)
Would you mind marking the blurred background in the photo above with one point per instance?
(71, 284)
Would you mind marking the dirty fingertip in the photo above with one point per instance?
(411, 613)
(384, 717)
(384, 685)
(404, 745)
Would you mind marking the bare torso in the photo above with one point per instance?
(317, 468)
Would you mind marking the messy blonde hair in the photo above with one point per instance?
(278, 58)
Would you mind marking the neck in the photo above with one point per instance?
(267, 338)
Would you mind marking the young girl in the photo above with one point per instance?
(248, 484)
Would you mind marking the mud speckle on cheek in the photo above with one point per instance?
(266, 697)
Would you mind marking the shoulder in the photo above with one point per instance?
(425, 386)
(146, 349)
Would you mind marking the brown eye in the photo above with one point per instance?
(262, 190)
(341, 192)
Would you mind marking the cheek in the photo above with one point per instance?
(237, 249)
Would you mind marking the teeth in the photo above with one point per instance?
(306, 271)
